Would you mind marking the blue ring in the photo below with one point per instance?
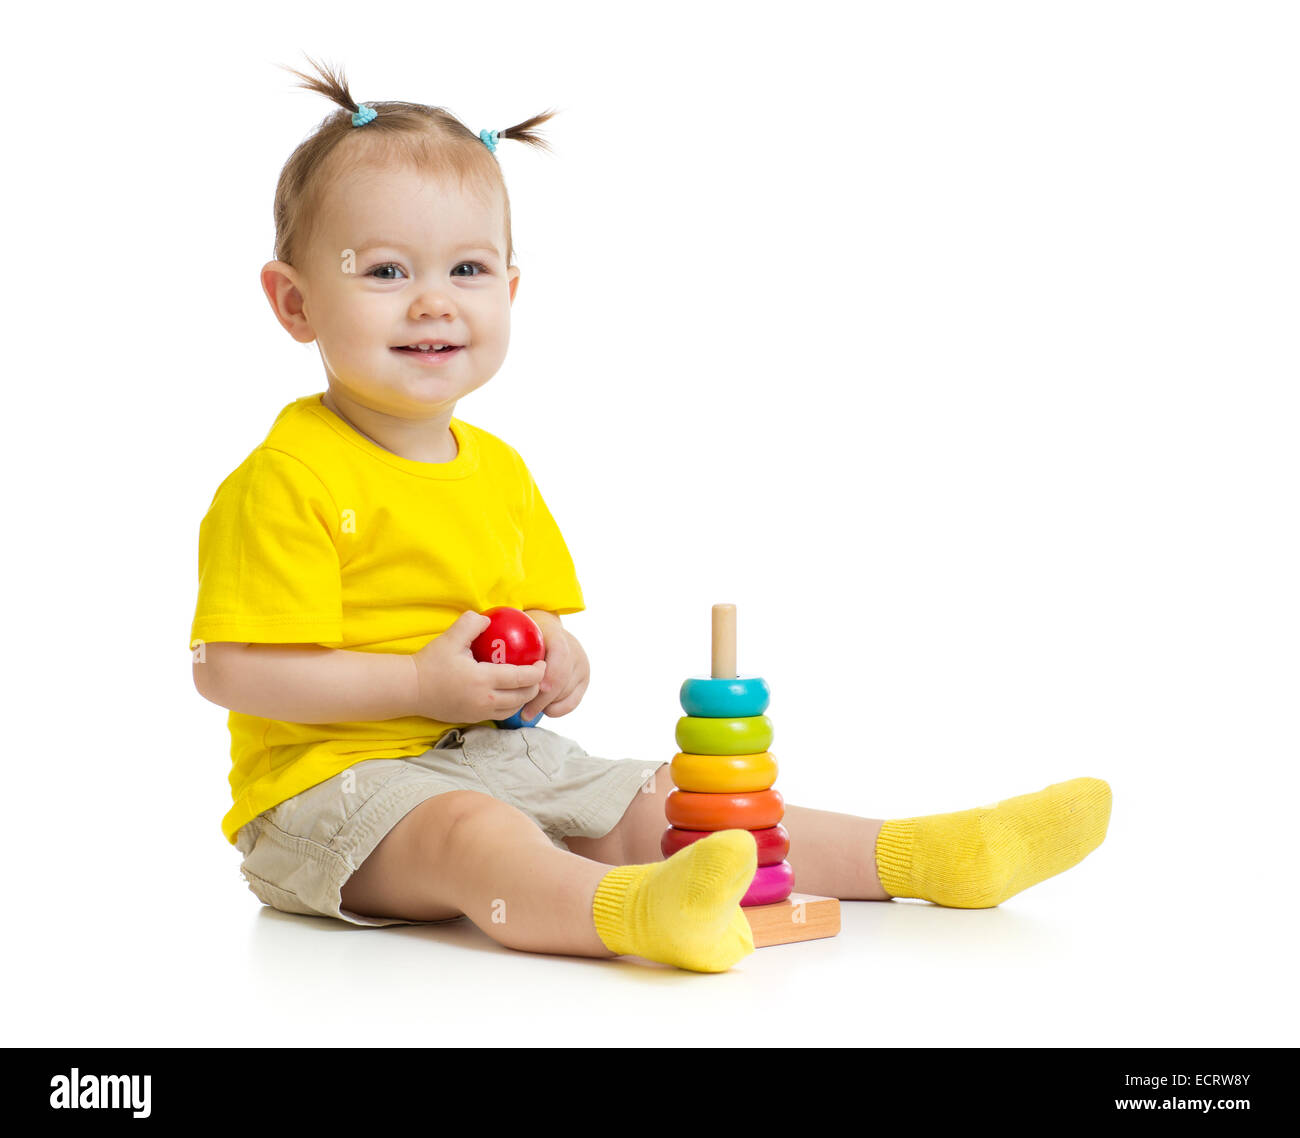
(517, 720)
(739, 697)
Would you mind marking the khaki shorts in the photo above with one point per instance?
(299, 854)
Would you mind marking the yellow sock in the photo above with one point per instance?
(976, 859)
(683, 911)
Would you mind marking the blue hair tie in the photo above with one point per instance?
(489, 139)
(363, 115)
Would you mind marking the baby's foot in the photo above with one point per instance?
(683, 911)
(976, 859)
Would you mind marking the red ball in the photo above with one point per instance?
(512, 638)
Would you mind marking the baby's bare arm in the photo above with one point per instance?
(305, 683)
(548, 622)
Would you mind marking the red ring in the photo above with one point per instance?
(773, 842)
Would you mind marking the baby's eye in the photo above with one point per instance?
(471, 265)
(379, 268)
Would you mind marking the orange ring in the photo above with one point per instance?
(689, 810)
(723, 774)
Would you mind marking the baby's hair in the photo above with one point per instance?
(429, 139)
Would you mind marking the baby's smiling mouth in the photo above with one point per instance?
(429, 347)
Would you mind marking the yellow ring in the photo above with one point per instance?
(723, 774)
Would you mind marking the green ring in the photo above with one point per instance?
(699, 736)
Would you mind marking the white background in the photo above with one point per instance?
(955, 343)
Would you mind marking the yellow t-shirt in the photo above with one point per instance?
(321, 536)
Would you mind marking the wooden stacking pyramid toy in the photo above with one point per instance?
(724, 776)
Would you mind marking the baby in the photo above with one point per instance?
(343, 570)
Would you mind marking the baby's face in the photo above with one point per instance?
(398, 257)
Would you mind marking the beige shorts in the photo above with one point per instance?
(299, 854)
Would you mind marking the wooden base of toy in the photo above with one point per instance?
(801, 916)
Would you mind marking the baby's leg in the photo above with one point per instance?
(464, 852)
(973, 859)
(831, 848)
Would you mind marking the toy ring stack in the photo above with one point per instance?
(724, 772)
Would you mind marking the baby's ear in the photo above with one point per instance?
(514, 282)
(279, 283)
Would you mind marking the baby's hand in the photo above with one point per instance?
(567, 674)
(456, 688)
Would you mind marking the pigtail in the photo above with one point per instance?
(329, 83)
(523, 132)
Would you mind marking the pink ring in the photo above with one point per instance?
(771, 883)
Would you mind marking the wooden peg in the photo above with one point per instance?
(724, 642)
